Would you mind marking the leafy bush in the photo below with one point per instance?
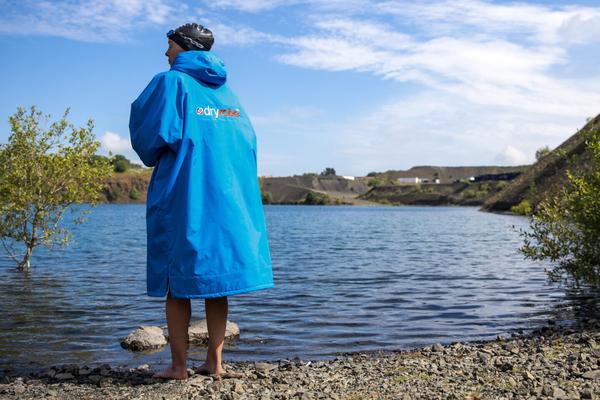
(565, 229)
(121, 164)
(313, 198)
(542, 152)
(375, 182)
(523, 208)
(328, 172)
(44, 169)
(267, 197)
(134, 194)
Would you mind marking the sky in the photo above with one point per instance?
(356, 85)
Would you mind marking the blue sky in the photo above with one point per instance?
(356, 85)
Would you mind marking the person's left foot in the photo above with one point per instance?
(219, 373)
(171, 373)
(206, 369)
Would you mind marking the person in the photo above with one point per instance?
(206, 234)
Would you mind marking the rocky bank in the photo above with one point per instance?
(550, 363)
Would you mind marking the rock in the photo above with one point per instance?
(484, 357)
(437, 347)
(19, 389)
(144, 338)
(198, 381)
(198, 332)
(586, 393)
(264, 367)
(84, 371)
(593, 375)
(239, 388)
(215, 386)
(527, 375)
(64, 376)
(94, 378)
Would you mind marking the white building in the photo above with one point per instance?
(411, 181)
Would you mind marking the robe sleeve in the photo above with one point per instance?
(156, 119)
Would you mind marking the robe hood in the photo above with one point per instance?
(201, 65)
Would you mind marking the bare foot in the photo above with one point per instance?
(219, 373)
(206, 369)
(171, 373)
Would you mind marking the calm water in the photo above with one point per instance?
(347, 279)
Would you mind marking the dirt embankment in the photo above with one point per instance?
(127, 187)
(295, 189)
(547, 176)
(459, 193)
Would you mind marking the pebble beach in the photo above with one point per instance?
(548, 363)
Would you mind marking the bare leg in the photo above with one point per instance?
(178, 320)
(216, 321)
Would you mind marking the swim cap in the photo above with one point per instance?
(192, 37)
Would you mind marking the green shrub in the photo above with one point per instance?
(267, 198)
(134, 194)
(523, 208)
(565, 229)
(313, 198)
(375, 182)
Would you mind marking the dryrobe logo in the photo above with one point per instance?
(217, 113)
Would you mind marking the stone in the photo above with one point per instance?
(527, 375)
(593, 375)
(264, 367)
(144, 338)
(484, 357)
(437, 347)
(19, 389)
(64, 376)
(84, 371)
(239, 388)
(198, 381)
(198, 332)
(586, 393)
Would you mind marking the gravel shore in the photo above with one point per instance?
(554, 363)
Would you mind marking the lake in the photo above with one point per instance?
(348, 278)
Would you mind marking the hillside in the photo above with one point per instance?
(458, 193)
(546, 176)
(127, 187)
(448, 174)
(383, 188)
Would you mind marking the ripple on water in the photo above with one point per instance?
(347, 279)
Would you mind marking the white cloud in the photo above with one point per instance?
(581, 28)
(512, 156)
(88, 21)
(113, 142)
(250, 5)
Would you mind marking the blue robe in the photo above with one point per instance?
(206, 234)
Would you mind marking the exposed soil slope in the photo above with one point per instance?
(547, 176)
